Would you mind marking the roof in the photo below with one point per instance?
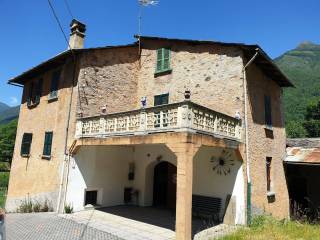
(262, 60)
(303, 151)
(304, 142)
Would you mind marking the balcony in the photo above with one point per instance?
(176, 117)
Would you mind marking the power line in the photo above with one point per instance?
(60, 26)
(68, 8)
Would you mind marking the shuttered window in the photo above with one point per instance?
(38, 92)
(163, 60)
(47, 144)
(26, 144)
(54, 84)
(30, 93)
(267, 111)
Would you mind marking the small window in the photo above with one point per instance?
(91, 197)
(30, 94)
(161, 99)
(267, 111)
(47, 144)
(268, 173)
(54, 85)
(26, 144)
(38, 92)
(163, 60)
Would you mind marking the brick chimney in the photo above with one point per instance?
(77, 34)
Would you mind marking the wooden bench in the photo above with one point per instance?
(206, 207)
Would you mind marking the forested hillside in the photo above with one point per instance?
(302, 66)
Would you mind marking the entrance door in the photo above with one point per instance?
(165, 185)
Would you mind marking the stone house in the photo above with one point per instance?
(192, 126)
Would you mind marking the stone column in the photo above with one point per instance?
(185, 153)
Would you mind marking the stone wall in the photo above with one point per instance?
(266, 143)
(213, 73)
(108, 79)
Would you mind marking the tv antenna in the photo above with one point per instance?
(143, 3)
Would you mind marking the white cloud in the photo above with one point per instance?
(13, 101)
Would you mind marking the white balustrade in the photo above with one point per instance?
(183, 116)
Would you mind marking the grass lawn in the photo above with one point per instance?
(267, 228)
(2, 198)
(4, 179)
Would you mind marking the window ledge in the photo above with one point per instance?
(25, 155)
(271, 194)
(32, 105)
(52, 99)
(163, 72)
(47, 157)
(269, 128)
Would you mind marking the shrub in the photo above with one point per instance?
(36, 206)
(4, 179)
(25, 206)
(28, 206)
(68, 208)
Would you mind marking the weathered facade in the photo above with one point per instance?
(106, 140)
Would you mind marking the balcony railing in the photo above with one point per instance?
(176, 117)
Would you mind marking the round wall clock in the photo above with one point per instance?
(223, 163)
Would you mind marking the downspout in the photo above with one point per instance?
(245, 90)
(66, 154)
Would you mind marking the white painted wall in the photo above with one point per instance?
(101, 168)
(207, 182)
(145, 158)
(105, 168)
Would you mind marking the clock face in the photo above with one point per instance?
(223, 163)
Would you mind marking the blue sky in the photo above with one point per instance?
(30, 35)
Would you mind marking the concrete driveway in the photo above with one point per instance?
(50, 226)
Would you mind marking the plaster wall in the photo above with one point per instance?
(35, 177)
(209, 182)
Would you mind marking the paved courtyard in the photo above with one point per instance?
(50, 226)
(113, 223)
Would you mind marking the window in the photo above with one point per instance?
(26, 144)
(163, 60)
(161, 117)
(91, 197)
(161, 99)
(47, 144)
(268, 169)
(267, 111)
(34, 94)
(54, 85)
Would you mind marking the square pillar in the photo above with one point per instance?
(185, 153)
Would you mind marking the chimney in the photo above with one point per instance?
(77, 34)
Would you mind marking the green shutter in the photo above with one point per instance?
(26, 144)
(163, 60)
(166, 59)
(47, 144)
(159, 60)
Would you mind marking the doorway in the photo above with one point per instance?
(165, 185)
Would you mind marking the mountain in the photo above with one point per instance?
(8, 113)
(302, 66)
(3, 107)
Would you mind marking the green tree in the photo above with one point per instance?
(312, 119)
(295, 129)
(7, 140)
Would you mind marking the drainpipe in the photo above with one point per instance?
(245, 89)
